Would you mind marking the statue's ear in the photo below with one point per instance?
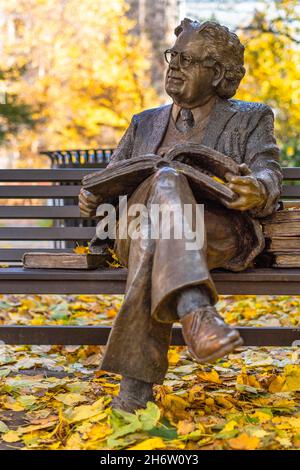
(219, 72)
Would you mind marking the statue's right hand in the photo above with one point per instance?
(88, 203)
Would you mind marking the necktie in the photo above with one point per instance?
(187, 119)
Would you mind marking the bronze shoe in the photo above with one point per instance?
(207, 336)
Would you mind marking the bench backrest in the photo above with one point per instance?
(39, 211)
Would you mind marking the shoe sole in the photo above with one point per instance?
(118, 403)
(226, 349)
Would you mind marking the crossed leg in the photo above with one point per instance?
(165, 284)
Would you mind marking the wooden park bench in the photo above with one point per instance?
(63, 184)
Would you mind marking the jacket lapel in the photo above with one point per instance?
(221, 113)
(153, 130)
(160, 126)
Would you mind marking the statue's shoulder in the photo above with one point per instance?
(249, 107)
(151, 113)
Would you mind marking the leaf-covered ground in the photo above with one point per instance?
(54, 397)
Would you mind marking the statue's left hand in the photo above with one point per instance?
(88, 203)
(250, 191)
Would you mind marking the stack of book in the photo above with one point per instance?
(282, 233)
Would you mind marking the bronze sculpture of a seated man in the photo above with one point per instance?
(166, 283)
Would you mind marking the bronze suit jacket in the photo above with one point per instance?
(242, 130)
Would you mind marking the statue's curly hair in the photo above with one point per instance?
(224, 47)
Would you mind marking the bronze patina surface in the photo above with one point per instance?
(167, 283)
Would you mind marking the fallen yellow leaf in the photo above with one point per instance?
(74, 442)
(219, 180)
(149, 444)
(174, 402)
(36, 427)
(173, 357)
(246, 379)
(277, 384)
(11, 436)
(185, 427)
(211, 376)
(292, 378)
(81, 250)
(230, 426)
(244, 442)
(262, 416)
(82, 412)
(297, 441)
(70, 399)
(99, 431)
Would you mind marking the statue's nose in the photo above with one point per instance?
(175, 63)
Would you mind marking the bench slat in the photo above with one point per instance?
(15, 254)
(57, 174)
(293, 203)
(250, 275)
(100, 274)
(45, 233)
(40, 212)
(39, 192)
(291, 173)
(113, 281)
(76, 174)
(98, 335)
(291, 191)
(72, 191)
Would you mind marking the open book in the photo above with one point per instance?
(205, 169)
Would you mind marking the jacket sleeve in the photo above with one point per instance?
(262, 157)
(125, 147)
(122, 152)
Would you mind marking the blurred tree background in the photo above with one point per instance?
(272, 60)
(85, 73)
(14, 114)
(80, 73)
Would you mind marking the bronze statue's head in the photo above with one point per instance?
(206, 60)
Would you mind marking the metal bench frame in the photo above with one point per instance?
(62, 184)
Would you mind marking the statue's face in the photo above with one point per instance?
(192, 86)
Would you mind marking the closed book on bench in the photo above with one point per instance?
(286, 260)
(64, 260)
(205, 168)
(284, 244)
(283, 216)
(282, 224)
(282, 231)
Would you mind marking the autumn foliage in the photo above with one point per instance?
(83, 74)
(272, 59)
(54, 397)
(86, 74)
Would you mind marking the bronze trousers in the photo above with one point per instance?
(158, 269)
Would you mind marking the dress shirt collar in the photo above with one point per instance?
(200, 112)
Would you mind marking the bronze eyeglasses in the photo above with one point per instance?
(185, 60)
